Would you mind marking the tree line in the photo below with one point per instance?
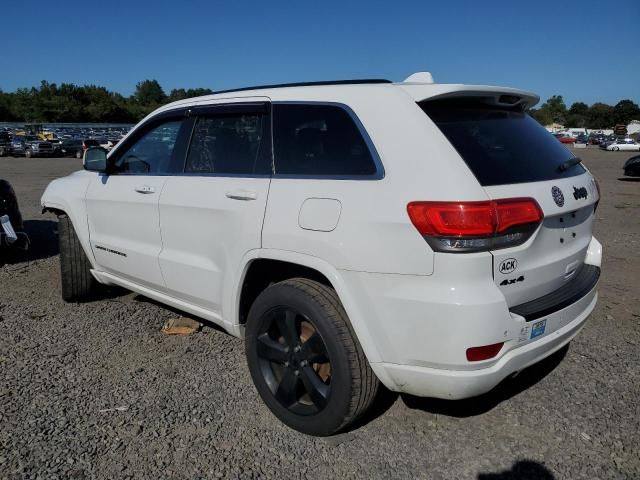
(579, 114)
(52, 103)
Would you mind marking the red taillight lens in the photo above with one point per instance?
(515, 212)
(452, 219)
(474, 226)
(476, 354)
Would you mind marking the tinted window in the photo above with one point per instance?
(501, 146)
(91, 143)
(319, 140)
(151, 153)
(226, 144)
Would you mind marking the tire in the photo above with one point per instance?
(78, 154)
(616, 149)
(297, 392)
(3, 152)
(75, 276)
(28, 153)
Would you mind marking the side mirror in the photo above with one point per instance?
(95, 159)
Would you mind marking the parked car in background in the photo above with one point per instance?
(563, 138)
(12, 234)
(5, 143)
(582, 138)
(624, 145)
(107, 143)
(632, 167)
(70, 148)
(38, 148)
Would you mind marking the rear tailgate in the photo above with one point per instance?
(556, 251)
(513, 156)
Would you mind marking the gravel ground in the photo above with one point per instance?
(96, 391)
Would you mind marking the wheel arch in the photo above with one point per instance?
(78, 220)
(294, 264)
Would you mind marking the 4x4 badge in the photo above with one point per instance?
(557, 195)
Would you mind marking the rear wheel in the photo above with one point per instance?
(3, 151)
(28, 153)
(79, 154)
(76, 280)
(305, 359)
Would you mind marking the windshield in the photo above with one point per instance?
(499, 145)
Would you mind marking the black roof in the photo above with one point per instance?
(309, 84)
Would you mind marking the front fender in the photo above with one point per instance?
(67, 195)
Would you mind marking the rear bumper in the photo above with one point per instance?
(458, 384)
(422, 326)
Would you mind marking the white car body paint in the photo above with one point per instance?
(190, 241)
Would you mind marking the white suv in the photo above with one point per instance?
(433, 238)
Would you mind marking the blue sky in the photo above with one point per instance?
(584, 50)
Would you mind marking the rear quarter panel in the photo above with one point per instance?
(374, 233)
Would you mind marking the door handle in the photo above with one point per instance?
(145, 189)
(242, 195)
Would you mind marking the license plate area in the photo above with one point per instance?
(533, 330)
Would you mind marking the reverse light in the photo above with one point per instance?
(475, 226)
(476, 354)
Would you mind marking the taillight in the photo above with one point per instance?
(475, 226)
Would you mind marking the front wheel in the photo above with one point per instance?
(28, 153)
(79, 154)
(75, 270)
(305, 359)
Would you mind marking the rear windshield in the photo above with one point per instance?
(501, 146)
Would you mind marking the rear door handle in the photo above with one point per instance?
(145, 189)
(242, 195)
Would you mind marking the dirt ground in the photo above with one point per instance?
(95, 390)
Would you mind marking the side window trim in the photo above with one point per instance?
(379, 173)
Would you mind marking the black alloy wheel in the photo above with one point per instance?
(294, 361)
(305, 359)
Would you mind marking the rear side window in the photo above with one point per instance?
(226, 144)
(501, 146)
(319, 140)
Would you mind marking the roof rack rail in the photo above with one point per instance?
(308, 84)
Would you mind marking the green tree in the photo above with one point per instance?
(624, 111)
(600, 116)
(181, 93)
(149, 93)
(577, 115)
(553, 110)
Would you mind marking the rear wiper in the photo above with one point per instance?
(569, 163)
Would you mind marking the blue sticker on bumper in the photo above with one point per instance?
(538, 328)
